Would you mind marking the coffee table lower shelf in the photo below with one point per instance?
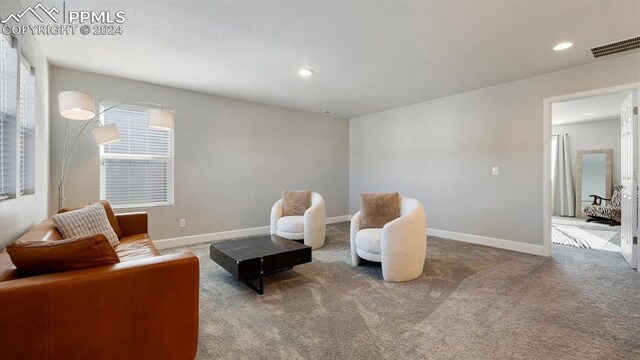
(254, 258)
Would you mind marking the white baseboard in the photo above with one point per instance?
(225, 235)
(337, 219)
(489, 241)
(264, 230)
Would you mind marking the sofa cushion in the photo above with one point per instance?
(110, 215)
(89, 220)
(370, 240)
(377, 209)
(295, 203)
(7, 269)
(291, 224)
(136, 247)
(50, 256)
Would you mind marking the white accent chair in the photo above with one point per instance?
(400, 245)
(311, 227)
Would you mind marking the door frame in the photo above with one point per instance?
(546, 151)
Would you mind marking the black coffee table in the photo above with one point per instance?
(253, 258)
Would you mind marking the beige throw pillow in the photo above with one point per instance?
(377, 209)
(295, 203)
(113, 220)
(88, 221)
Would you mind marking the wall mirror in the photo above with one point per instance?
(593, 177)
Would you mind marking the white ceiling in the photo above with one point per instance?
(368, 55)
(599, 107)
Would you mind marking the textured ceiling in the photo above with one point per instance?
(367, 55)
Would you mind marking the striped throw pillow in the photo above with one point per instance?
(88, 221)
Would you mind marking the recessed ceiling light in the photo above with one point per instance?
(562, 46)
(306, 72)
(587, 114)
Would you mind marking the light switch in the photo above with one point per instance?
(183, 223)
(495, 171)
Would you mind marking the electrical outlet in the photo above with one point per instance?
(495, 171)
(183, 223)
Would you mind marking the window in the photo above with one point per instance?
(136, 171)
(26, 134)
(8, 106)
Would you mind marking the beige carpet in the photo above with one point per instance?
(472, 302)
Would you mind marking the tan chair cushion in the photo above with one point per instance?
(51, 256)
(377, 209)
(295, 203)
(110, 215)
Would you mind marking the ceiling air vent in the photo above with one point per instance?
(616, 47)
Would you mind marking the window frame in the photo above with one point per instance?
(25, 185)
(104, 104)
(10, 170)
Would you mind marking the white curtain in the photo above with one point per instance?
(562, 194)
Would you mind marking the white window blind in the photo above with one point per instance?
(136, 171)
(8, 107)
(26, 134)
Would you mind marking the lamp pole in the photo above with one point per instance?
(70, 143)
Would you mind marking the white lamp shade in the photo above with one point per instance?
(76, 105)
(161, 119)
(106, 134)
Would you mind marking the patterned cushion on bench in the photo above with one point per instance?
(607, 212)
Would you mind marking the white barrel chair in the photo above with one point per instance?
(311, 227)
(400, 245)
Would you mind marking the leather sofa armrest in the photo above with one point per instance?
(115, 311)
(133, 223)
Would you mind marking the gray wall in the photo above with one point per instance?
(19, 214)
(442, 151)
(232, 158)
(592, 135)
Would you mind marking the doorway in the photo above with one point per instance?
(585, 170)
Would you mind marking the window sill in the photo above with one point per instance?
(141, 206)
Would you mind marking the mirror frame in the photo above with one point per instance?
(608, 167)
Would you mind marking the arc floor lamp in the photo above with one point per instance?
(80, 106)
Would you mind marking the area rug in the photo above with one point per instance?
(586, 235)
(471, 302)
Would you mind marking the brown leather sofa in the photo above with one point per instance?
(145, 307)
